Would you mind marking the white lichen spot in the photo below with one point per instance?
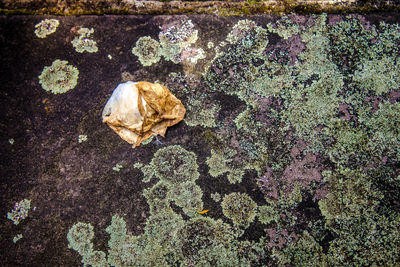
(46, 27)
(82, 138)
(210, 45)
(11, 141)
(109, 56)
(117, 167)
(83, 42)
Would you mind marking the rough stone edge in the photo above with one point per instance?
(249, 7)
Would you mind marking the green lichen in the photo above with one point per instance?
(240, 208)
(350, 42)
(80, 238)
(147, 50)
(205, 240)
(83, 42)
(351, 194)
(315, 103)
(201, 113)
(95, 259)
(247, 43)
(221, 162)
(278, 102)
(379, 75)
(187, 195)
(384, 132)
(285, 28)
(59, 77)
(267, 214)
(174, 164)
(17, 238)
(46, 27)
(368, 239)
(177, 40)
(305, 252)
(351, 143)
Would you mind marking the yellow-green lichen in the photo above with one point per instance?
(46, 27)
(59, 77)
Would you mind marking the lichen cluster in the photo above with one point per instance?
(307, 108)
(168, 239)
(175, 45)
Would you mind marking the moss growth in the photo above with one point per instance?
(147, 50)
(240, 208)
(59, 77)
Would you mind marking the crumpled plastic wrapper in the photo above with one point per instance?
(138, 110)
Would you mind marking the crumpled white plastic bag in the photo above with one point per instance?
(138, 110)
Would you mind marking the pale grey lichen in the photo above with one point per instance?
(46, 27)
